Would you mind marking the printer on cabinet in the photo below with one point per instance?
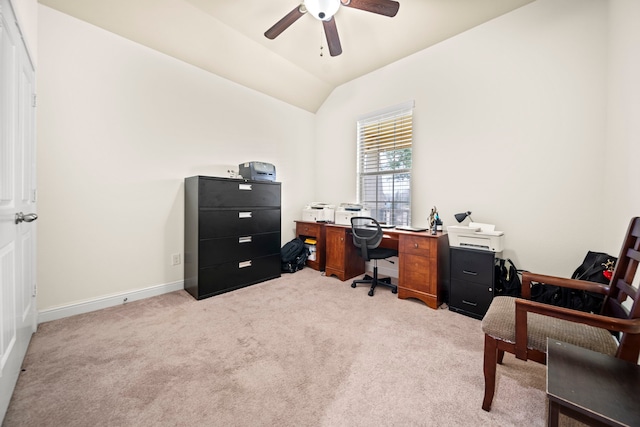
(318, 212)
(258, 171)
(476, 236)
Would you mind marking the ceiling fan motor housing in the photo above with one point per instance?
(322, 10)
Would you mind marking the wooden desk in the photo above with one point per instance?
(594, 388)
(422, 257)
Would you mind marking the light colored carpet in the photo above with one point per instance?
(301, 350)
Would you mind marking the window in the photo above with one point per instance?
(384, 163)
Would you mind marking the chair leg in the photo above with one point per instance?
(375, 281)
(500, 356)
(490, 362)
(386, 281)
(365, 279)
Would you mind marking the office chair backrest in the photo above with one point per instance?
(367, 234)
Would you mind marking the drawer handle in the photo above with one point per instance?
(471, 273)
(244, 264)
(415, 245)
(246, 239)
(470, 303)
(246, 187)
(244, 214)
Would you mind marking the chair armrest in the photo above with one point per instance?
(523, 306)
(630, 326)
(584, 285)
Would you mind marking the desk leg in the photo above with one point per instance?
(554, 413)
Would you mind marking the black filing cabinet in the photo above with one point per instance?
(231, 234)
(472, 281)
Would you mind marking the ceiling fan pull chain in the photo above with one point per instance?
(321, 41)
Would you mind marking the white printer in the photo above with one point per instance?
(346, 211)
(476, 236)
(318, 212)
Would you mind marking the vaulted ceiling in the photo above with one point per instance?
(226, 37)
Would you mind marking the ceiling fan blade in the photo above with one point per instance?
(333, 41)
(381, 7)
(285, 22)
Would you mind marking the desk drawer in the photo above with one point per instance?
(417, 273)
(417, 245)
(310, 230)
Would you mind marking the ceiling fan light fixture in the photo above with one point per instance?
(322, 10)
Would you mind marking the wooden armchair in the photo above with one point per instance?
(521, 326)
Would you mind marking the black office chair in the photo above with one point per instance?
(367, 235)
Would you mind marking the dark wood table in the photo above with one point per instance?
(592, 387)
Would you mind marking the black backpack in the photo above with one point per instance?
(507, 279)
(293, 255)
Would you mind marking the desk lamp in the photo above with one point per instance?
(461, 216)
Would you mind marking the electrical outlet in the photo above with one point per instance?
(175, 259)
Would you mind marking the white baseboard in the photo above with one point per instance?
(108, 301)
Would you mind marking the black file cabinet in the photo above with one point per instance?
(472, 281)
(231, 234)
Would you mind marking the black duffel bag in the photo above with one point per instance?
(596, 267)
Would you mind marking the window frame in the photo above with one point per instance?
(384, 163)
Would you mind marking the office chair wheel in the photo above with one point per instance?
(353, 285)
(371, 292)
(394, 290)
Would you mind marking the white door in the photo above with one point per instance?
(18, 315)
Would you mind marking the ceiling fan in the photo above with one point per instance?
(324, 10)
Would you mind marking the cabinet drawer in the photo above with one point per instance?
(238, 193)
(216, 223)
(227, 249)
(233, 275)
(475, 266)
(417, 245)
(470, 297)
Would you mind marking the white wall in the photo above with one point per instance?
(621, 196)
(120, 126)
(510, 123)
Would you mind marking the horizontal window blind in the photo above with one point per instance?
(384, 164)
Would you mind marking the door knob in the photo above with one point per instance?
(25, 217)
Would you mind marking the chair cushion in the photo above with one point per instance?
(382, 253)
(500, 323)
